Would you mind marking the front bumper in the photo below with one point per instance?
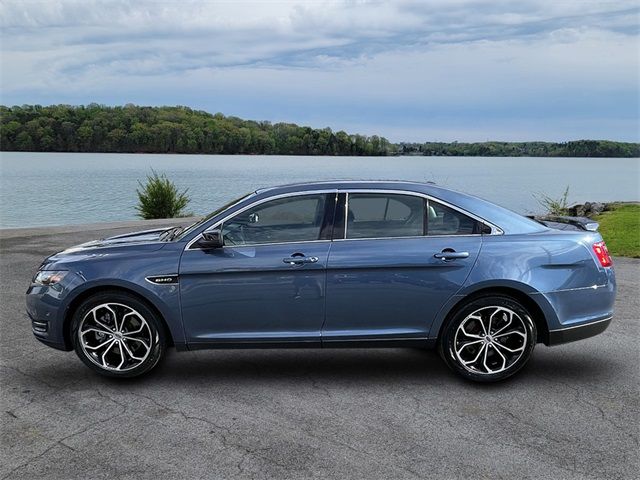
(578, 332)
(45, 310)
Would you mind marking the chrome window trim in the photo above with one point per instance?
(495, 230)
(255, 204)
(346, 216)
(253, 245)
(407, 237)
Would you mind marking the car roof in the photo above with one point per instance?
(505, 219)
(340, 184)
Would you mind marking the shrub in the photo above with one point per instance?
(160, 198)
(555, 206)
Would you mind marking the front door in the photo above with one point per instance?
(400, 259)
(267, 284)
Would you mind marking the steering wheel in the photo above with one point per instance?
(235, 234)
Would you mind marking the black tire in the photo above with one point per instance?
(121, 304)
(501, 354)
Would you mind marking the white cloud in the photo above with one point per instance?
(337, 63)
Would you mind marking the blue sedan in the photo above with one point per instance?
(330, 264)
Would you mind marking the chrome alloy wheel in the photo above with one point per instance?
(490, 340)
(115, 337)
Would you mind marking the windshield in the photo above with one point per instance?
(193, 226)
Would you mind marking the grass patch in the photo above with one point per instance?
(620, 228)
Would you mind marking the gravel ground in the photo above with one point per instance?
(333, 413)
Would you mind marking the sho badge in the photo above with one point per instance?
(163, 279)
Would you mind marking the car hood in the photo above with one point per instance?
(132, 246)
(142, 241)
(133, 238)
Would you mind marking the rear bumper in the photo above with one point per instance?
(578, 332)
(576, 313)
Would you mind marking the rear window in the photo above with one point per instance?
(443, 220)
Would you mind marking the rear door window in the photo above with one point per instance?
(380, 215)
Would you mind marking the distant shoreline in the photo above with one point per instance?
(181, 130)
(311, 155)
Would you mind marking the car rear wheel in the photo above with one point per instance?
(117, 335)
(488, 339)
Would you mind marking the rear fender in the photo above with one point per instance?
(495, 286)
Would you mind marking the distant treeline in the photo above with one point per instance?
(134, 129)
(578, 148)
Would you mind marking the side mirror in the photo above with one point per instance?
(211, 239)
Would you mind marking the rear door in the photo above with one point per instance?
(396, 260)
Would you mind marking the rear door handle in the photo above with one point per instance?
(299, 260)
(451, 255)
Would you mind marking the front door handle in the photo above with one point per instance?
(449, 254)
(299, 260)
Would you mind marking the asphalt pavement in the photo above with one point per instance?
(572, 413)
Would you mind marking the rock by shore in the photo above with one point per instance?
(587, 209)
(590, 209)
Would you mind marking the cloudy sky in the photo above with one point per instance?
(409, 70)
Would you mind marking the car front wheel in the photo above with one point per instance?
(117, 335)
(488, 339)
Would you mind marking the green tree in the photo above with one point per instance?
(24, 142)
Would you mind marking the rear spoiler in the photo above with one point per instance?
(562, 222)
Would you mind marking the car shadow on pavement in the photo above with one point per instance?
(269, 368)
(359, 367)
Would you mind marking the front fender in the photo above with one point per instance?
(165, 298)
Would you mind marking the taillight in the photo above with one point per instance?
(600, 249)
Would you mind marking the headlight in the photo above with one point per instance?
(49, 277)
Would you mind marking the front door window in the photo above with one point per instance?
(284, 220)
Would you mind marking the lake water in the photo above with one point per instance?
(38, 189)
